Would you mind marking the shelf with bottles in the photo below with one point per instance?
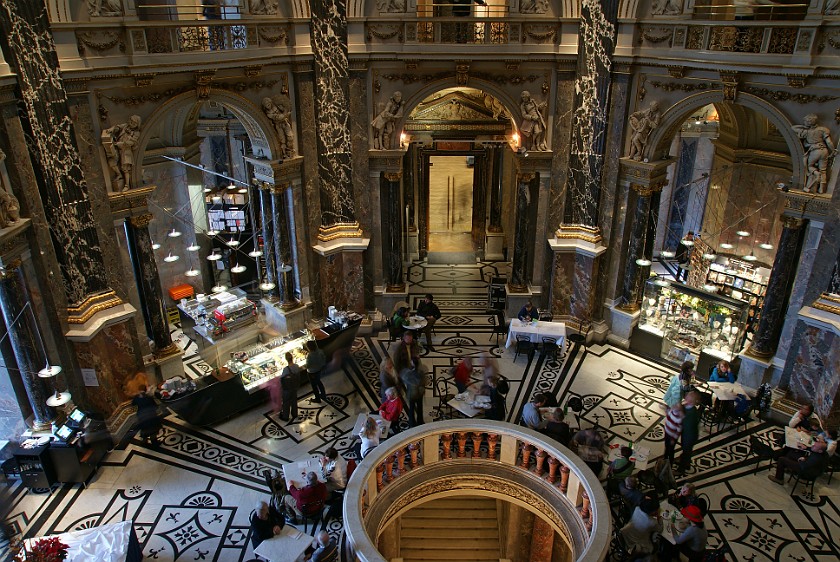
(738, 279)
(691, 320)
(262, 363)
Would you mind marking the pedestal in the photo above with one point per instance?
(387, 300)
(414, 245)
(515, 302)
(494, 246)
(284, 321)
(342, 272)
(622, 323)
(753, 370)
(170, 365)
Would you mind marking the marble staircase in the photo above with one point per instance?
(451, 530)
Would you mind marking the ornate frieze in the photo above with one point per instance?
(540, 34)
(385, 32)
(656, 35)
(99, 41)
(501, 79)
(273, 34)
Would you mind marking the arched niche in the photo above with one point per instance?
(675, 116)
(167, 124)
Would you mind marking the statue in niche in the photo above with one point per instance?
(383, 124)
(263, 7)
(390, 6)
(120, 141)
(642, 122)
(99, 8)
(533, 123)
(818, 150)
(9, 208)
(278, 112)
(665, 7)
(533, 6)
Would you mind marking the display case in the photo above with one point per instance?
(262, 363)
(689, 323)
(740, 280)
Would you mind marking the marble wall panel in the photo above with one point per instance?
(585, 274)
(815, 376)
(364, 196)
(561, 138)
(681, 193)
(561, 283)
(342, 281)
(542, 541)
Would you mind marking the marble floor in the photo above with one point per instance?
(191, 498)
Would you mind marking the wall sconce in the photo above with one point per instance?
(514, 142)
(404, 140)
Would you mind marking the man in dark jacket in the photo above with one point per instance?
(690, 430)
(265, 523)
(430, 311)
(797, 462)
(290, 380)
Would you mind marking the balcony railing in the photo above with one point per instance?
(476, 457)
(475, 31)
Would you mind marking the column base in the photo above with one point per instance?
(169, 365)
(342, 273)
(754, 370)
(284, 321)
(515, 302)
(414, 245)
(494, 246)
(386, 300)
(622, 323)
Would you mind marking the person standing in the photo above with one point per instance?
(316, 360)
(430, 311)
(590, 449)
(690, 431)
(679, 385)
(462, 373)
(683, 256)
(414, 380)
(387, 377)
(290, 381)
(148, 420)
(673, 430)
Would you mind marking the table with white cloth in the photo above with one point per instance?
(640, 454)
(384, 425)
(536, 331)
(546, 413)
(727, 391)
(116, 542)
(469, 403)
(671, 516)
(416, 323)
(796, 439)
(295, 472)
(287, 546)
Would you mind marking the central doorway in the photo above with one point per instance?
(451, 205)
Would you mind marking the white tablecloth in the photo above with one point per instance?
(295, 472)
(384, 425)
(536, 331)
(288, 546)
(796, 439)
(727, 391)
(107, 543)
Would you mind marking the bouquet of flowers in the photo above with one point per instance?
(43, 550)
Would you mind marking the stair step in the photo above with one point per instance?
(461, 501)
(462, 514)
(472, 555)
(450, 532)
(409, 522)
(454, 545)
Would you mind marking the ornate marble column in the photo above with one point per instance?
(495, 239)
(766, 337)
(518, 272)
(268, 227)
(25, 342)
(392, 227)
(640, 244)
(284, 238)
(148, 283)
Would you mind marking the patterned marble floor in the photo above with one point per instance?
(191, 498)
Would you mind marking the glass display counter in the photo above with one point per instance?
(263, 363)
(686, 323)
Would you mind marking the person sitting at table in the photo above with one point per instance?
(638, 531)
(391, 408)
(722, 373)
(619, 469)
(528, 312)
(630, 492)
(692, 541)
(430, 311)
(802, 418)
(369, 434)
(462, 373)
(323, 549)
(590, 448)
(531, 416)
(399, 320)
(687, 496)
(557, 428)
(387, 377)
(334, 470)
(805, 466)
(306, 501)
(830, 437)
(265, 523)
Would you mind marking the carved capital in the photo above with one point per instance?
(393, 176)
(10, 269)
(141, 221)
(462, 72)
(730, 84)
(643, 190)
(203, 79)
(792, 223)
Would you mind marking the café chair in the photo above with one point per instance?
(579, 338)
(807, 480)
(523, 345)
(762, 452)
(549, 347)
(499, 325)
(833, 465)
(444, 396)
(575, 404)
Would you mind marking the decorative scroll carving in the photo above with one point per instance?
(730, 85)
(683, 86)
(831, 39)
(695, 38)
(385, 32)
(665, 7)
(390, 6)
(540, 33)
(99, 41)
(736, 39)
(676, 71)
(501, 79)
(462, 72)
(533, 6)
(782, 41)
(781, 95)
(657, 35)
(795, 81)
(273, 34)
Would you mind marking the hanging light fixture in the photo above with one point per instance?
(192, 272)
(170, 258)
(219, 288)
(212, 233)
(232, 186)
(232, 243)
(155, 246)
(709, 256)
(727, 246)
(49, 371)
(667, 254)
(710, 287)
(174, 233)
(255, 254)
(743, 233)
(688, 243)
(238, 269)
(214, 256)
(243, 190)
(643, 262)
(58, 399)
(207, 190)
(267, 286)
(193, 247)
(750, 256)
(766, 246)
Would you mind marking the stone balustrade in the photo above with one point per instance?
(476, 457)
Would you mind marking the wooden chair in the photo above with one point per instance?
(579, 338)
(549, 347)
(833, 466)
(500, 325)
(444, 396)
(523, 345)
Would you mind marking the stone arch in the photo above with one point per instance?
(510, 104)
(674, 117)
(176, 111)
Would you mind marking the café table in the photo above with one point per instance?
(536, 331)
(727, 391)
(671, 515)
(287, 546)
(568, 419)
(295, 472)
(470, 404)
(416, 323)
(384, 425)
(640, 454)
(796, 439)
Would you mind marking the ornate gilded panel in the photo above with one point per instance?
(736, 39)
(782, 40)
(695, 38)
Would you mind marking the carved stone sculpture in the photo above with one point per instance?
(120, 142)
(818, 149)
(383, 124)
(99, 8)
(9, 209)
(832, 7)
(642, 123)
(665, 7)
(277, 111)
(494, 105)
(263, 7)
(533, 6)
(390, 6)
(533, 123)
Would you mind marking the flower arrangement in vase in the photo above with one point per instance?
(42, 550)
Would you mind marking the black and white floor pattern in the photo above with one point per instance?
(191, 498)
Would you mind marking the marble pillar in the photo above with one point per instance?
(14, 402)
(148, 283)
(495, 239)
(392, 232)
(284, 242)
(30, 51)
(635, 248)
(766, 336)
(268, 225)
(26, 342)
(518, 282)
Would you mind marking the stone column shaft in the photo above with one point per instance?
(495, 155)
(766, 337)
(25, 342)
(268, 226)
(642, 238)
(283, 242)
(521, 243)
(148, 281)
(392, 227)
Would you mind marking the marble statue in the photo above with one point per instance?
(276, 111)
(383, 124)
(494, 105)
(642, 122)
(818, 149)
(665, 7)
(533, 123)
(263, 7)
(9, 208)
(533, 6)
(390, 6)
(98, 8)
(120, 142)
(832, 7)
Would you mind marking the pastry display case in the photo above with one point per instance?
(262, 363)
(689, 323)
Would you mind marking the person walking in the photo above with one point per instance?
(316, 360)
(414, 380)
(148, 420)
(690, 431)
(673, 430)
(290, 381)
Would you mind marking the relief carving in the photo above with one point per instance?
(665, 7)
(383, 124)
(278, 112)
(9, 208)
(263, 7)
(643, 122)
(120, 142)
(390, 6)
(819, 149)
(533, 6)
(108, 8)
